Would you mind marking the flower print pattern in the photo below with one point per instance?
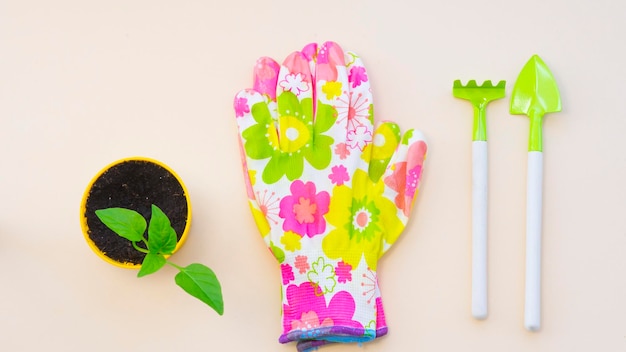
(241, 107)
(322, 275)
(294, 83)
(370, 285)
(396, 182)
(357, 76)
(353, 111)
(302, 264)
(363, 219)
(265, 76)
(386, 140)
(359, 137)
(294, 141)
(287, 272)
(329, 192)
(303, 210)
(310, 321)
(413, 180)
(291, 241)
(343, 272)
(332, 89)
(268, 204)
(381, 322)
(406, 183)
(342, 151)
(339, 175)
(302, 300)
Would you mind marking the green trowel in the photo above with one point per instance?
(535, 93)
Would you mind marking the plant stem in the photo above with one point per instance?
(140, 249)
(174, 265)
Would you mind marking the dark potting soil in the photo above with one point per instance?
(136, 185)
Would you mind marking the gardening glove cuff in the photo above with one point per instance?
(329, 300)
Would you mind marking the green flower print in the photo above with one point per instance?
(322, 276)
(296, 138)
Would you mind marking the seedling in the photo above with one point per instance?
(196, 279)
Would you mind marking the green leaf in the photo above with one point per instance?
(124, 222)
(151, 264)
(161, 236)
(201, 282)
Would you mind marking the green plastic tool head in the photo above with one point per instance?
(535, 93)
(479, 96)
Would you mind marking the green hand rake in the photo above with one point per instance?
(479, 96)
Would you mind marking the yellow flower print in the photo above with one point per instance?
(291, 241)
(363, 219)
(260, 220)
(332, 89)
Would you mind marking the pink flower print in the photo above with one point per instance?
(310, 321)
(343, 272)
(339, 175)
(415, 159)
(397, 182)
(406, 183)
(302, 264)
(342, 150)
(295, 83)
(302, 300)
(352, 111)
(357, 75)
(329, 56)
(370, 285)
(381, 323)
(304, 209)
(287, 273)
(241, 107)
(268, 204)
(412, 181)
(359, 137)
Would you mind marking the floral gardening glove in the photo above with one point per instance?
(329, 192)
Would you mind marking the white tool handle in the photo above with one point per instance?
(479, 229)
(532, 312)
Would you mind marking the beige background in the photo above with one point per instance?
(85, 83)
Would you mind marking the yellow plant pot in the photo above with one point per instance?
(109, 187)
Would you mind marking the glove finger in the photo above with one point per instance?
(295, 107)
(250, 107)
(403, 175)
(355, 116)
(331, 78)
(361, 111)
(266, 76)
(327, 67)
(330, 93)
(255, 124)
